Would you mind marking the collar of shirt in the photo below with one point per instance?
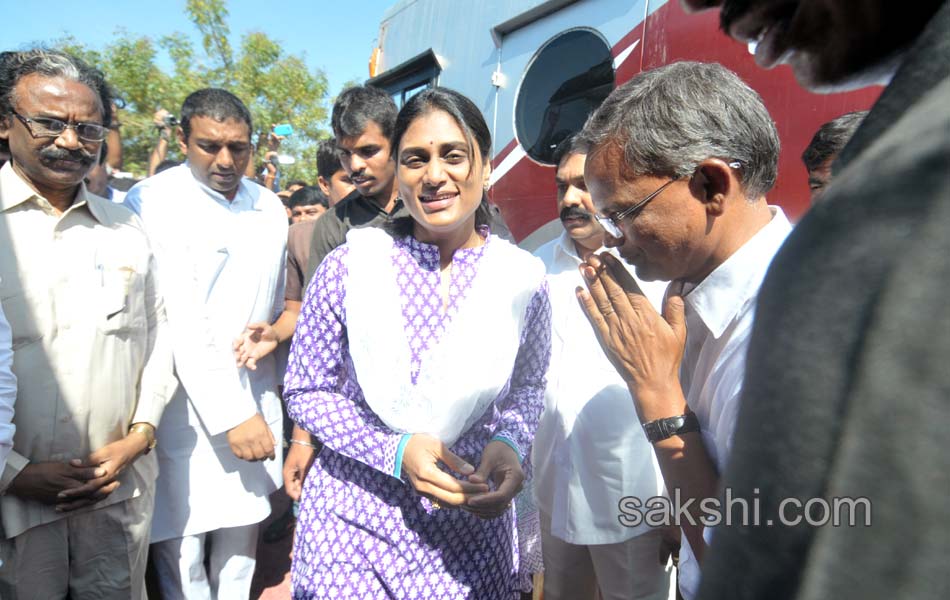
(719, 297)
(14, 191)
(368, 205)
(244, 199)
(565, 250)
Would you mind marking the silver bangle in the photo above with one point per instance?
(303, 443)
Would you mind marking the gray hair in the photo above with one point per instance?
(670, 119)
(50, 63)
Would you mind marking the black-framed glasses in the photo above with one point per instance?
(611, 223)
(49, 127)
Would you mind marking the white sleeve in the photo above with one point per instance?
(7, 390)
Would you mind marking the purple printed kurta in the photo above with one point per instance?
(363, 532)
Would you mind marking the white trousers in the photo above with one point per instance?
(621, 571)
(180, 564)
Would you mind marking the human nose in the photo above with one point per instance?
(356, 163)
(572, 196)
(69, 139)
(611, 241)
(434, 174)
(224, 159)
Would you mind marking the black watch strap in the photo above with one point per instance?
(662, 429)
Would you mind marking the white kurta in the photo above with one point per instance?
(222, 267)
(590, 450)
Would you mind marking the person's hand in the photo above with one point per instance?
(111, 460)
(257, 341)
(273, 140)
(252, 440)
(645, 347)
(420, 462)
(269, 159)
(44, 481)
(501, 465)
(296, 466)
(159, 118)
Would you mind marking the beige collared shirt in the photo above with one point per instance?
(91, 352)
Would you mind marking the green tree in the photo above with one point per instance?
(277, 87)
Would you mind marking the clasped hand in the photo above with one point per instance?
(645, 347)
(78, 483)
(499, 464)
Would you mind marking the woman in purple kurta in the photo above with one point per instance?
(365, 530)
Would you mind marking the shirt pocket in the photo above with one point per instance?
(120, 300)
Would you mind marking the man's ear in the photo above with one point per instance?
(715, 181)
(5, 127)
(182, 142)
(486, 174)
(323, 184)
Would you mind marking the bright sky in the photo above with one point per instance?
(334, 35)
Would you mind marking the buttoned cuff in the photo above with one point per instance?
(16, 462)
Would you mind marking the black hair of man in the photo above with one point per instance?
(49, 63)
(358, 105)
(308, 196)
(831, 138)
(216, 103)
(297, 182)
(569, 145)
(328, 160)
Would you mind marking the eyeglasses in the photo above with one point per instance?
(49, 127)
(611, 223)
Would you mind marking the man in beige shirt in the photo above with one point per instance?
(91, 355)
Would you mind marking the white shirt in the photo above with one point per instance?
(7, 390)
(589, 450)
(91, 347)
(222, 264)
(719, 315)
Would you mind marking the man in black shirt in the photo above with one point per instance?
(362, 120)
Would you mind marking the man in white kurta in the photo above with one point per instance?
(590, 451)
(220, 243)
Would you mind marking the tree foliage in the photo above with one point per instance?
(277, 87)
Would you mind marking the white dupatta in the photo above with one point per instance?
(464, 372)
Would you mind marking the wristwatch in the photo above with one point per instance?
(148, 431)
(662, 429)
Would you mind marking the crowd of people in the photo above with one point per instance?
(463, 418)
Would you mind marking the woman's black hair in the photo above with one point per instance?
(469, 119)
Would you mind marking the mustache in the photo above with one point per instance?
(79, 155)
(575, 212)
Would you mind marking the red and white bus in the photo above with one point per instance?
(538, 68)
